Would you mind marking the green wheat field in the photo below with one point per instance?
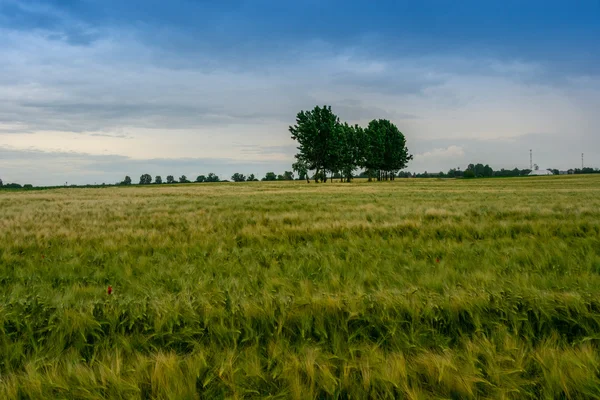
(413, 289)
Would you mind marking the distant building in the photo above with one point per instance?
(540, 172)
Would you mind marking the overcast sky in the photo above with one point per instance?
(91, 91)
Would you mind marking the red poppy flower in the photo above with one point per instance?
(437, 260)
(109, 291)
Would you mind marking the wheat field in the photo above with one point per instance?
(412, 289)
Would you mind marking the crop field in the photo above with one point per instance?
(412, 289)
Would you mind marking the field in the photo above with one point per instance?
(411, 289)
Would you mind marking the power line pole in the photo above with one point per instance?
(531, 159)
(581, 160)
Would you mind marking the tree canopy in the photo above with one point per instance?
(325, 145)
(212, 178)
(270, 176)
(145, 179)
(238, 177)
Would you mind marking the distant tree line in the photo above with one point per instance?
(14, 185)
(330, 147)
(472, 171)
(146, 179)
(485, 171)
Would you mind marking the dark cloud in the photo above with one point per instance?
(83, 117)
(387, 82)
(355, 110)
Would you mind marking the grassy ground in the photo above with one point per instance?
(414, 288)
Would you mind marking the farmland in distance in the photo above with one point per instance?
(485, 288)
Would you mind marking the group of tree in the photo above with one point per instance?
(269, 176)
(14, 185)
(286, 176)
(485, 171)
(146, 179)
(330, 147)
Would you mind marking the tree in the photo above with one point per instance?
(170, 179)
(183, 179)
(237, 177)
(469, 173)
(145, 179)
(158, 180)
(212, 178)
(384, 149)
(251, 178)
(350, 150)
(270, 176)
(315, 133)
(288, 176)
(126, 181)
(201, 178)
(1, 184)
(302, 170)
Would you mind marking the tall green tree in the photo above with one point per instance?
(201, 178)
(170, 179)
(315, 133)
(158, 180)
(288, 176)
(373, 149)
(126, 181)
(350, 150)
(237, 177)
(270, 176)
(385, 152)
(145, 179)
(212, 178)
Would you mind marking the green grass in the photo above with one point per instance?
(408, 289)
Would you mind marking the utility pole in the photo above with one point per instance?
(582, 161)
(530, 159)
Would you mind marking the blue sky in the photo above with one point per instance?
(93, 90)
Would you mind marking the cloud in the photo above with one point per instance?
(76, 80)
(121, 136)
(42, 168)
(453, 152)
(257, 150)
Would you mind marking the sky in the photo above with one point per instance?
(91, 91)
